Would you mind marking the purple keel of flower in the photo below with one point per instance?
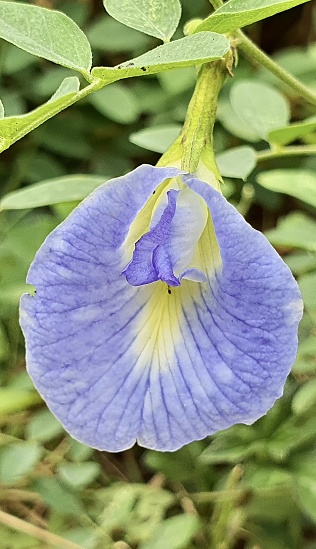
(117, 363)
(151, 261)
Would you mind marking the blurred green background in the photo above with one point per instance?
(250, 487)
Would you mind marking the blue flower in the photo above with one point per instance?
(159, 316)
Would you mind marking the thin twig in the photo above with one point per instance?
(37, 532)
(298, 150)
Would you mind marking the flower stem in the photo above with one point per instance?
(195, 142)
(216, 4)
(197, 131)
(36, 532)
(299, 150)
(255, 54)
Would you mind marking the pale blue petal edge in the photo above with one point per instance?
(225, 361)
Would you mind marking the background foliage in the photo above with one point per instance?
(251, 487)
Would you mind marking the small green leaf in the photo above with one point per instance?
(260, 106)
(239, 13)
(1, 109)
(158, 18)
(4, 344)
(307, 284)
(69, 85)
(78, 451)
(46, 33)
(296, 230)
(301, 263)
(305, 397)
(238, 162)
(303, 468)
(58, 497)
(157, 138)
(17, 460)
(182, 465)
(16, 400)
(233, 123)
(43, 426)
(177, 81)
(298, 183)
(174, 533)
(52, 191)
(79, 474)
(264, 476)
(287, 134)
(106, 34)
(117, 102)
(190, 50)
(220, 452)
(16, 60)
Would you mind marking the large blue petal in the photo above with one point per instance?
(80, 326)
(238, 335)
(116, 363)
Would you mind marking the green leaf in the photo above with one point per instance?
(190, 50)
(17, 460)
(46, 33)
(233, 123)
(69, 85)
(239, 13)
(16, 60)
(117, 102)
(16, 400)
(135, 508)
(260, 106)
(157, 138)
(158, 18)
(174, 533)
(79, 451)
(264, 476)
(296, 230)
(287, 134)
(301, 262)
(177, 81)
(298, 183)
(43, 426)
(58, 497)
(304, 473)
(307, 284)
(52, 191)
(4, 346)
(238, 162)
(182, 465)
(106, 34)
(305, 397)
(79, 474)
(1, 109)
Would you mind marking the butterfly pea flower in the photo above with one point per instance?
(160, 315)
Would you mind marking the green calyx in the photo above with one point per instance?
(193, 150)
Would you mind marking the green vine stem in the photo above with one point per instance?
(254, 54)
(299, 150)
(257, 56)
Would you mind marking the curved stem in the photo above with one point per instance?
(36, 532)
(195, 142)
(299, 150)
(197, 130)
(216, 4)
(253, 53)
